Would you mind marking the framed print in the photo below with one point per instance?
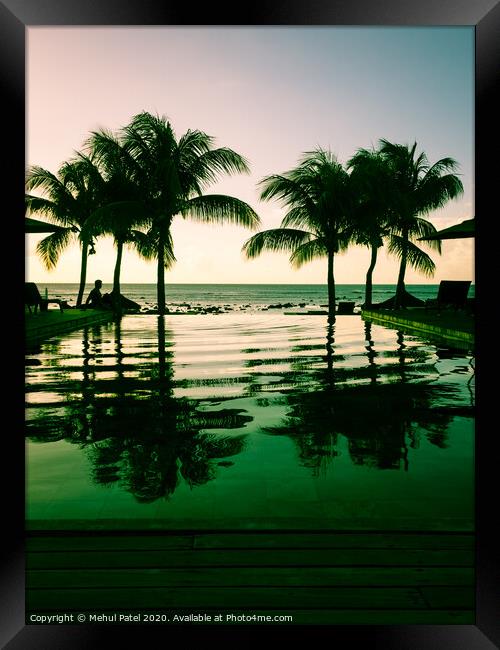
(250, 377)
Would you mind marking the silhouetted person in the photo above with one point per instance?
(95, 298)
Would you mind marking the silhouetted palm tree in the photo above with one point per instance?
(371, 178)
(172, 176)
(417, 188)
(122, 211)
(70, 198)
(320, 201)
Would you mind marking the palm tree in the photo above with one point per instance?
(372, 218)
(320, 202)
(121, 226)
(171, 176)
(70, 198)
(121, 211)
(417, 188)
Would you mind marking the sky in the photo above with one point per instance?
(271, 94)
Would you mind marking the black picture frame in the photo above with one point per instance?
(15, 17)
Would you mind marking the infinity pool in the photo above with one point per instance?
(248, 421)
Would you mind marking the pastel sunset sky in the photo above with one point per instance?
(269, 93)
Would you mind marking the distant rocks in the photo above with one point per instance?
(186, 308)
(285, 305)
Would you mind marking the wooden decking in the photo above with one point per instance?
(315, 577)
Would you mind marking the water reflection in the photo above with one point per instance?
(132, 428)
(371, 353)
(375, 408)
(152, 409)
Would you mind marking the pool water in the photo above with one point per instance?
(248, 421)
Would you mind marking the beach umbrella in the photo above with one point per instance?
(33, 225)
(458, 231)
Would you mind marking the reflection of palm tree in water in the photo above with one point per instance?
(371, 354)
(330, 340)
(136, 433)
(401, 355)
(376, 418)
(91, 349)
(170, 441)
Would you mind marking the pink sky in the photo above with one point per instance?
(270, 94)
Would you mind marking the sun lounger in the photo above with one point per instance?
(345, 308)
(452, 293)
(32, 298)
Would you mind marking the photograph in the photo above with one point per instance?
(250, 324)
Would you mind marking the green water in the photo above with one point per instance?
(248, 421)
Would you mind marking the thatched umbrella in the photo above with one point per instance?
(35, 226)
(458, 231)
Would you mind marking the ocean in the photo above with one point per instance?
(248, 297)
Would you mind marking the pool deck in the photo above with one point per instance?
(317, 577)
(43, 325)
(450, 327)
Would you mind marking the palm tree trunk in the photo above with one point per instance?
(331, 288)
(116, 293)
(83, 274)
(400, 289)
(161, 273)
(118, 265)
(369, 277)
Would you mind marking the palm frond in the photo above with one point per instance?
(115, 219)
(313, 161)
(308, 252)
(146, 245)
(444, 165)
(168, 252)
(217, 208)
(285, 189)
(192, 145)
(361, 157)
(435, 191)
(210, 165)
(38, 177)
(149, 139)
(423, 228)
(275, 240)
(50, 248)
(344, 239)
(47, 208)
(416, 258)
(298, 216)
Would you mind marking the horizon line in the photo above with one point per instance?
(254, 284)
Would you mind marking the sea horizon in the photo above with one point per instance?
(264, 284)
(248, 297)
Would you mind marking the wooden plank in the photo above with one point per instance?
(240, 541)
(234, 597)
(255, 576)
(108, 542)
(440, 597)
(260, 557)
(334, 540)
